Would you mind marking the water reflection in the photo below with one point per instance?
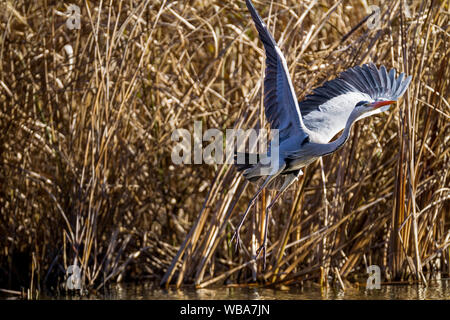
(439, 289)
(435, 290)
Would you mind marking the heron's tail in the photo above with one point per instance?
(246, 160)
(251, 165)
(255, 173)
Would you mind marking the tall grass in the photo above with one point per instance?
(86, 176)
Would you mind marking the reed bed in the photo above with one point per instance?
(86, 117)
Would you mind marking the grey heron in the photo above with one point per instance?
(306, 128)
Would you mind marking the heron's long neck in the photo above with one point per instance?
(339, 142)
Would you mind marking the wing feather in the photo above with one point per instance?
(280, 103)
(325, 112)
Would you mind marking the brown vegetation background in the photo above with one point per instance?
(86, 176)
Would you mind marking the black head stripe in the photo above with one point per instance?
(361, 103)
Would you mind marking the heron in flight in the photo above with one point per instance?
(305, 128)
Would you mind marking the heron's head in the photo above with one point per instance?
(367, 106)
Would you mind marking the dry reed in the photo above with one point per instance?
(86, 176)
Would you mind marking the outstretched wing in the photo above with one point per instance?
(280, 103)
(325, 112)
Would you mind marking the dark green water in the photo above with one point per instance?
(436, 290)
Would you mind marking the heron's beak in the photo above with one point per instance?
(380, 104)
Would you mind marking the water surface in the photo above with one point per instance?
(436, 290)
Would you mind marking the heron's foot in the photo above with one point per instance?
(263, 249)
(237, 238)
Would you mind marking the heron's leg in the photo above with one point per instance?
(289, 180)
(252, 202)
